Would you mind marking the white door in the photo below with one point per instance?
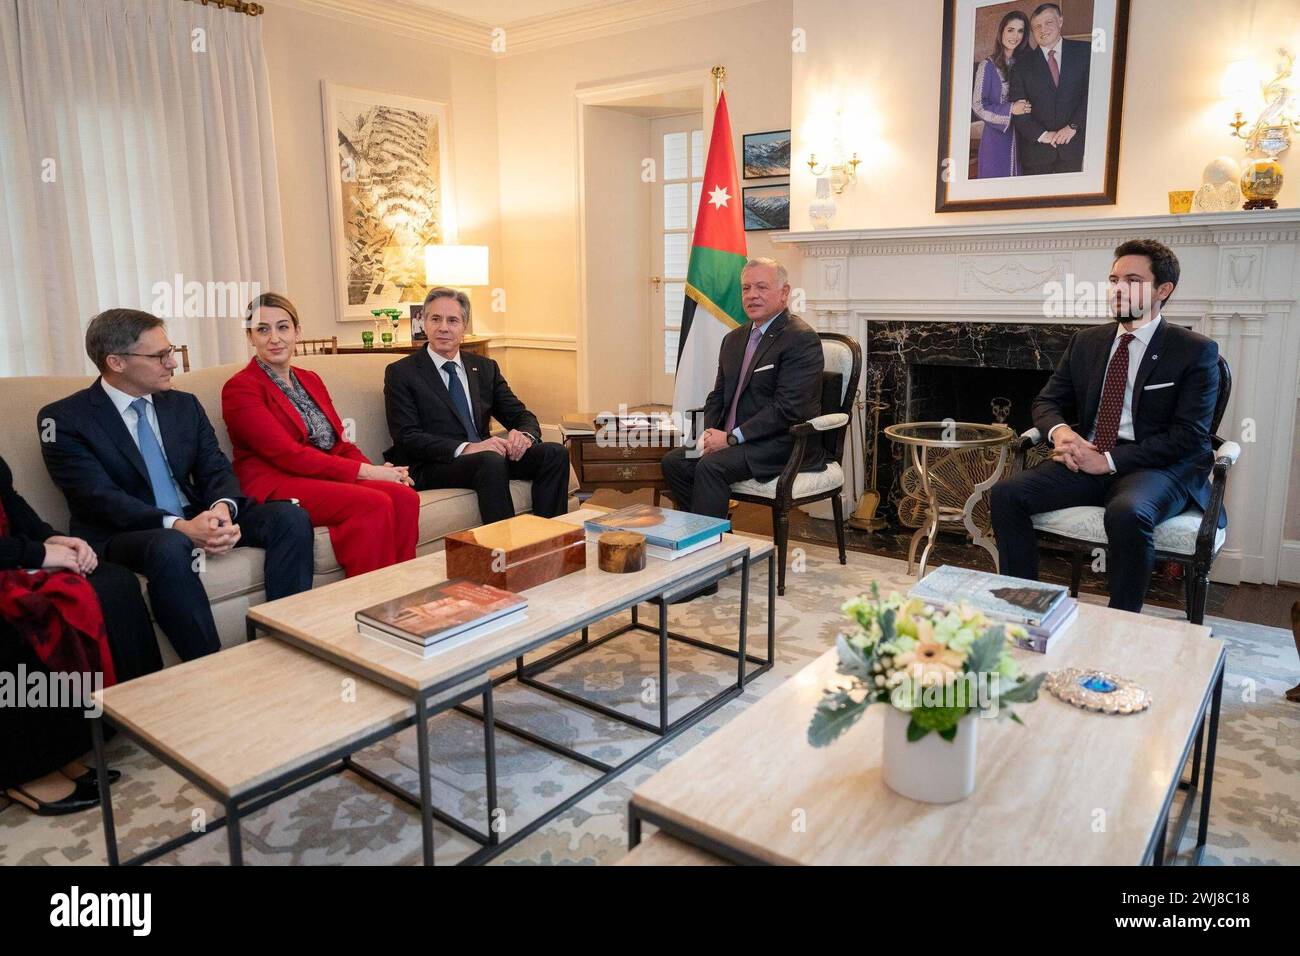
(678, 146)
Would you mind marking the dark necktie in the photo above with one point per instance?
(459, 400)
(160, 474)
(1112, 396)
(1054, 67)
(754, 336)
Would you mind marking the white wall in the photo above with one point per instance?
(886, 56)
(302, 49)
(537, 125)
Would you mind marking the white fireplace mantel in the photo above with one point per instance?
(1240, 285)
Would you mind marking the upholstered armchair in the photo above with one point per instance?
(1191, 539)
(792, 488)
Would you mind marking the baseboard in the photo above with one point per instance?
(1288, 565)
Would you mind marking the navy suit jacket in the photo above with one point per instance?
(422, 419)
(1053, 106)
(1171, 425)
(94, 460)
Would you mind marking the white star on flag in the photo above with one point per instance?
(718, 197)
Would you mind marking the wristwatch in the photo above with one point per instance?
(732, 439)
(1074, 126)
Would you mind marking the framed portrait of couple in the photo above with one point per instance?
(1030, 103)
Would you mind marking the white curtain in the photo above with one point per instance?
(135, 148)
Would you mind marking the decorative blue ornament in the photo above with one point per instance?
(1098, 684)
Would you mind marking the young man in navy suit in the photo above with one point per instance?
(1128, 413)
(149, 487)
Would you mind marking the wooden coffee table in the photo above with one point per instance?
(247, 726)
(322, 623)
(1069, 787)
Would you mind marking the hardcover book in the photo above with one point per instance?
(672, 530)
(1007, 599)
(440, 612)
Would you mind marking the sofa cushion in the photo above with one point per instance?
(1088, 523)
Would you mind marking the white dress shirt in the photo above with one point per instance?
(1137, 348)
(122, 402)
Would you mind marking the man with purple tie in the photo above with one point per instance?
(1127, 413)
(769, 378)
(1053, 77)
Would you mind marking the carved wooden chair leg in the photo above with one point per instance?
(838, 507)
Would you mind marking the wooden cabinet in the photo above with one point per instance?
(620, 467)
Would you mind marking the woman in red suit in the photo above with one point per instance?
(289, 443)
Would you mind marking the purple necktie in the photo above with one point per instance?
(754, 335)
(1055, 67)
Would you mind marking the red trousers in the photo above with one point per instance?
(372, 524)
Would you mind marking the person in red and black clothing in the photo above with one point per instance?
(61, 611)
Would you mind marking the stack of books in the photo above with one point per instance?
(1044, 610)
(668, 534)
(420, 622)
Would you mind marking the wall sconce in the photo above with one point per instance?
(843, 173)
(1270, 133)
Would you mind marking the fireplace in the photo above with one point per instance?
(967, 371)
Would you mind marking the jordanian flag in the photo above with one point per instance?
(712, 307)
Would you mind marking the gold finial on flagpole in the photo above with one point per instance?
(719, 77)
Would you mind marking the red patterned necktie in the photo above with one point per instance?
(1112, 396)
(1055, 68)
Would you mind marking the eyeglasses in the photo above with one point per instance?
(162, 357)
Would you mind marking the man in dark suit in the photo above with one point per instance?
(439, 402)
(1143, 393)
(769, 378)
(149, 487)
(1054, 78)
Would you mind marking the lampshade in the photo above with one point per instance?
(1240, 81)
(456, 265)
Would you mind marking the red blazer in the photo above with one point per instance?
(270, 438)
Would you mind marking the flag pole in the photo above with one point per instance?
(719, 77)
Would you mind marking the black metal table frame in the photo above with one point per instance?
(492, 844)
(1154, 854)
(281, 785)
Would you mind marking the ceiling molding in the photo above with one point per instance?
(411, 18)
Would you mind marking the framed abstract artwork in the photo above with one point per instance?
(388, 174)
(1030, 103)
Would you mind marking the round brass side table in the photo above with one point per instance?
(920, 437)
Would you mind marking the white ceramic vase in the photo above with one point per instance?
(932, 770)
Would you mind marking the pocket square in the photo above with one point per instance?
(766, 367)
(1149, 388)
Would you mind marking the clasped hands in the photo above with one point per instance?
(513, 445)
(1059, 137)
(712, 439)
(69, 554)
(386, 472)
(1077, 453)
(214, 531)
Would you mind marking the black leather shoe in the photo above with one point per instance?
(702, 592)
(74, 802)
(91, 777)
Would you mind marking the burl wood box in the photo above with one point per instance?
(518, 553)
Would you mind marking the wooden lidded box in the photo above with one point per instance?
(518, 553)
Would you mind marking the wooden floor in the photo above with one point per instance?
(1252, 603)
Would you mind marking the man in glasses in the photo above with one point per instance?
(149, 487)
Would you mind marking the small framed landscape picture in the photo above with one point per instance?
(767, 154)
(767, 207)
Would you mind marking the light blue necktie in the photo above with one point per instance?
(160, 475)
(459, 400)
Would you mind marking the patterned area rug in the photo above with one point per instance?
(343, 819)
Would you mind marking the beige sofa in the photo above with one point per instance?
(234, 581)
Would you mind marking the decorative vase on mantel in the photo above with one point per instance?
(937, 671)
(822, 209)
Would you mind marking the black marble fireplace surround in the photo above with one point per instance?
(928, 371)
